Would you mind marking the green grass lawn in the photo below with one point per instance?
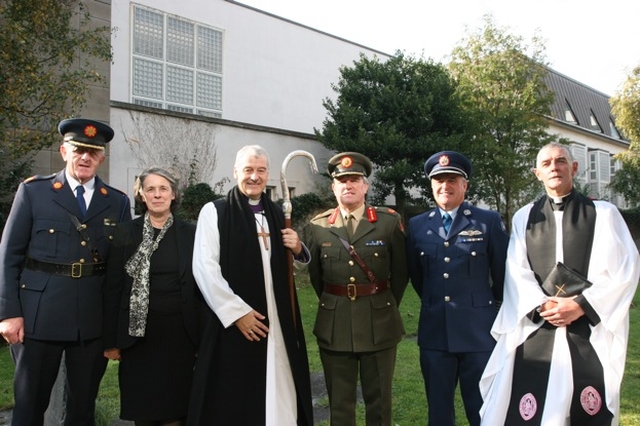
(409, 401)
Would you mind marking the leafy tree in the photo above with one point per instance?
(49, 57)
(501, 82)
(194, 198)
(625, 106)
(397, 112)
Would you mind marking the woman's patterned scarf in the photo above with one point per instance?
(138, 268)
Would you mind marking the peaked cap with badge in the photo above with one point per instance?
(349, 163)
(448, 162)
(85, 133)
(52, 258)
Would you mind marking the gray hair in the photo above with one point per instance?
(251, 151)
(557, 145)
(137, 187)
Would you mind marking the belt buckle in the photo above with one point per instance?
(352, 292)
(76, 270)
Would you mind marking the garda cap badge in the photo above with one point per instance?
(90, 131)
(443, 160)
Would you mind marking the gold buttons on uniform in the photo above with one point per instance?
(81, 261)
(447, 299)
(352, 279)
(446, 243)
(351, 263)
(83, 243)
(375, 254)
(447, 259)
(445, 275)
(51, 231)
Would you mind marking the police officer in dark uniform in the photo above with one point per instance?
(52, 264)
(358, 270)
(456, 256)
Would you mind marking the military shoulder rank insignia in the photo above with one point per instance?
(372, 215)
(334, 216)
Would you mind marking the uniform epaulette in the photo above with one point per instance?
(35, 178)
(386, 210)
(323, 214)
(113, 189)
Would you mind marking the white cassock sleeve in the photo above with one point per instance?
(206, 269)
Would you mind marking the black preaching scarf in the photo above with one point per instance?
(578, 225)
(533, 357)
(226, 358)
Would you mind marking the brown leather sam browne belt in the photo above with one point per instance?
(352, 291)
(73, 270)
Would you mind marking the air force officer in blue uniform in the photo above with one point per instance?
(456, 255)
(52, 264)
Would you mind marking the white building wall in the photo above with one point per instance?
(227, 140)
(276, 74)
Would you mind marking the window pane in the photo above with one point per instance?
(186, 75)
(179, 85)
(180, 109)
(209, 91)
(147, 33)
(146, 103)
(180, 42)
(209, 49)
(147, 78)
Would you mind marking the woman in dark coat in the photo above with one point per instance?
(151, 306)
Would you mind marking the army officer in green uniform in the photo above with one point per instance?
(358, 270)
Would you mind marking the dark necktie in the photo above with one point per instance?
(446, 222)
(350, 225)
(80, 198)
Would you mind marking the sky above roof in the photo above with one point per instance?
(595, 43)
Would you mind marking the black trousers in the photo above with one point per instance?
(37, 364)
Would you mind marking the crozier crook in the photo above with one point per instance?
(287, 209)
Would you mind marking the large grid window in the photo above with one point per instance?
(176, 64)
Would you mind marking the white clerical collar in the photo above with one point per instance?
(558, 200)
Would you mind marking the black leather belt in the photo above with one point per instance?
(353, 291)
(73, 270)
